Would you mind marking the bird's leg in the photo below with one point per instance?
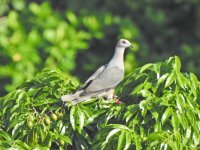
(117, 100)
(110, 95)
(107, 94)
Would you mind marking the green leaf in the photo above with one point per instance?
(131, 110)
(5, 135)
(190, 101)
(14, 108)
(71, 17)
(175, 121)
(145, 67)
(181, 81)
(170, 80)
(155, 114)
(188, 132)
(152, 145)
(168, 112)
(195, 136)
(35, 8)
(157, 69)
(16, 132)
(177, 65)
(121, 140)
(81, 143)
(194, 84)
(190, 115)
(65, 138)
(4, 145)
(81, 119)
(137, 89)
(157, 126)
(72, 119)
(13, 123)
(128, 140)
(118, 126)
(48, 140)
(156, 136)
(21, 145)
(162, 78)
(111, 134)
(183, 120)
(180, 102)
(41, 132)
(196, 130)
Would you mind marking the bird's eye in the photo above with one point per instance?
(123, 42)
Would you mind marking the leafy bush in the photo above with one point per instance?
(37, 36)
(43, 39)
(160, 110)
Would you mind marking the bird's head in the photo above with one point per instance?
(124, 43)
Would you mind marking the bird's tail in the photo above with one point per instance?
(80, 99)
(76, 97)
(71, 97)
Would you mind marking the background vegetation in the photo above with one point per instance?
(160, 108)
(77, 37)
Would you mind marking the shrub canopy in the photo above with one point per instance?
(159, 109)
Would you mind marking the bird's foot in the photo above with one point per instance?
(117, 101)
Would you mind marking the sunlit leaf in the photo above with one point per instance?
(128, 140)
(162, 78)
(81, 119)
(168, 112)
(170, 80)
(121, 140)
(4, 135)
(72, 119)
(118, 126)
(145, 67)
(110, 135)
(177, 65)
(175, 121)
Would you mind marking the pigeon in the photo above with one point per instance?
(103, 82)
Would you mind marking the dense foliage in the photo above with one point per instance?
(39, 37)
(160, 104)
(160, 109)
(47, 33)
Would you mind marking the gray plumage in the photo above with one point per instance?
(104, 80)
(107, 79)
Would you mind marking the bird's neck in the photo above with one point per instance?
(118, 58)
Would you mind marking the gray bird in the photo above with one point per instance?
(104, 80)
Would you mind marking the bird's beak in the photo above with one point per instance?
(131, 46)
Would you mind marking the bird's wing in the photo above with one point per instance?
(93, 76)
(108, 79)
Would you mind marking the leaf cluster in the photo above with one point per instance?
(159, 110)
(37, 36)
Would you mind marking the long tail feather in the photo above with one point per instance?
(71, 97)
(80, 99)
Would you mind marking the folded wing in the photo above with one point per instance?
(109, 78)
